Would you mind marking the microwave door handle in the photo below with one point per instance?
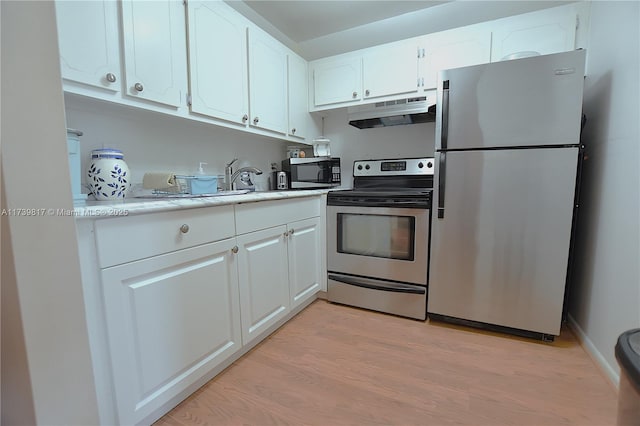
(396, 288)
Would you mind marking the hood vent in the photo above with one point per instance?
(392, 113)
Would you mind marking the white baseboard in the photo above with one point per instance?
(594, 353)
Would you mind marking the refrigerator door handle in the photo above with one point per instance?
(442, 174)
(444, 134)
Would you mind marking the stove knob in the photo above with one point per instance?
(359, 166)
(367, 167)
(429, 164)
(420, 165)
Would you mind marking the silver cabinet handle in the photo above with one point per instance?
(293, 131)
(184, 228)
(245, 118)
(255, 120)
(367, 92)
(111, 77)
(138, 87)
(286, 234)
(292, 231)
(354, 94)
(234, 249)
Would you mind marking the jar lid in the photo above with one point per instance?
(107, 153)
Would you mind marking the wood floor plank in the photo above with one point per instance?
(337, 365)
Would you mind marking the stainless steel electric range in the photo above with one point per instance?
(378, 237)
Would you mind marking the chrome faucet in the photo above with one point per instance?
(230, 176)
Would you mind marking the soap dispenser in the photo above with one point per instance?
(202, 183)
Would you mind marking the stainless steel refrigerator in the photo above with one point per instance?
(507, 160)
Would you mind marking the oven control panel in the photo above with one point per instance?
(398, 167)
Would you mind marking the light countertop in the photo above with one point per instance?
(134, 206)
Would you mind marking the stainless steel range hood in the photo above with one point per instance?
(393, 113)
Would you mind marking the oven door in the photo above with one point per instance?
(385, 243)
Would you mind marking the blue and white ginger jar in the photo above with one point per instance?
(108, 174)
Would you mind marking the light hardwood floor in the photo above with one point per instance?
(337, 365)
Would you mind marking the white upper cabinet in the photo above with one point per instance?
(390, 70)
(154, 50)
(298, 97)
(217, 61)
(396, 70)
(544, 32)
(353, 78)
(88, 42)
(267, 82)
(337, 80)
(452, 49)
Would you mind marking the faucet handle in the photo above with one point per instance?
(232, 161)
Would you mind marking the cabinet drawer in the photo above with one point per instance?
(266, 214)
(121, 240)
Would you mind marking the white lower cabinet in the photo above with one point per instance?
(264, 281)
(170, 319)
(305, 255)
(279, 269)
(174, 297)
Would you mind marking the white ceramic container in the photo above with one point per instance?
(108, 175)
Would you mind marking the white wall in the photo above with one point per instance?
(606, 293)
(154, 142)
(44, 279)
(350, 143)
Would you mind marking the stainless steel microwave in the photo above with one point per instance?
(316, 172)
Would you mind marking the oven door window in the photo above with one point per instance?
(390, 237)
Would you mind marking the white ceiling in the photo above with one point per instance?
(303, 20)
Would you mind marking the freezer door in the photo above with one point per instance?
(523, 102)
(499, 252)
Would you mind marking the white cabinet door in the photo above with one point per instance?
(88, 42)
(304, 260)
(453, 49)
(217, 61)
(154, 50)
(390, 70)
(264, 280)
(267, 82)
(337, 80)
(170, 320)
(544, 32)
(298, 97)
